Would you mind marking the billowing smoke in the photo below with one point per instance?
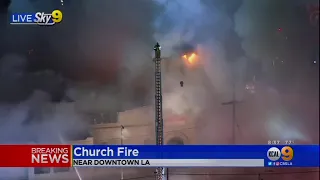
(195, 23)
(34, 119)
(266, 31)
(47, 120)
(111, 42)
(96, 43)
(271, 31)
(177, 23)
(110, 45)
(104, 45)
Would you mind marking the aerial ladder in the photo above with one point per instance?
(160, 171)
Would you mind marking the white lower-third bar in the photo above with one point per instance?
(168, 163)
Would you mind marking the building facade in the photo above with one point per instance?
(134, 126)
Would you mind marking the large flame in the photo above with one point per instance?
(191, 59)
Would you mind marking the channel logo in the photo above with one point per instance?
(38, 18)
(286, 153)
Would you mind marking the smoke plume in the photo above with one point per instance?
(107, 45)
(272, 34)
(103, 50)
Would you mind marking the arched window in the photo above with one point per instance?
(175, 141)
(57, 170)
(103, 142)
(42, 170)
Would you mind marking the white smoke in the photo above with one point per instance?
(36, 119)
(49, 119)
(178, 23)
(125, 40)
(189, 22)
(257, 24)
(194, 23)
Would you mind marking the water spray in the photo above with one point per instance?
(76, 169)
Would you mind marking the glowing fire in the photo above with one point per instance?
(190, 59)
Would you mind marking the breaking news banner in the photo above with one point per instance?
(159, 156)
(35, 155)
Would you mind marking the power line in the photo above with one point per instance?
(233, 102)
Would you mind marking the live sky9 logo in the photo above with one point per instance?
(38, 18)
(286, 153)
(49, 19)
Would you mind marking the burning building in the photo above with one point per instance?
(136, 126)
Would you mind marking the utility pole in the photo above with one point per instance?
(160, 171)
(121, 135)
(234, 121)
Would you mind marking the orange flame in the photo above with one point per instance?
(190, 59)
